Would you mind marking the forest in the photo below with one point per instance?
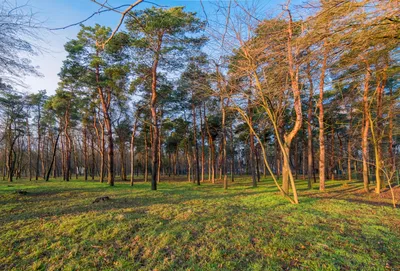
(234, 138)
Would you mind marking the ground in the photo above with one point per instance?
(181, 226)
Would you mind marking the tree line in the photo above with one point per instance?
(312, 97)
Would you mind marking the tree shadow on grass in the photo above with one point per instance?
(77, 205)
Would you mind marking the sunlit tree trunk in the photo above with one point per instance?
(202, 146)
(349, 148)
(321, 121)
(232, 156)
(365, 129)
(379, 130)
(223, 142)
(390, 130)
(310, 157)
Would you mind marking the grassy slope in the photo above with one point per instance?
(184, 227)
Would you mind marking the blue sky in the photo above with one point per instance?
(59, 13)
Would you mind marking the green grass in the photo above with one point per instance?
(185, 227)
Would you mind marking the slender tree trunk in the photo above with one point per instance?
(224, 164)
(196, 145)
(39, 142)
(75, 146)
(146, 159)
(257, 163)
(63, 157)
(29, 151)
(252, 148)
(133, 151)
(202, 146)
(211, 163)
(67, 147)
(122, 157)
(277, 159)
(159, 146)
(53, 157)
(110, 152)
(93, 155)
(379, 129)
(85, 153)
(365, 129)
(390, 131)
(296, 159)
(310, 162)
(43, 156)
(189, 164)
(154, 117)
(340, 156)
(232, 156)
(321, 121)
(349, 142)
(332, 156)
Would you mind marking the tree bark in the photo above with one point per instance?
(310, 162)
(85, 153)
(196, 145)
(321, 121)
(364, 134)
(53, 157)
(133, 151)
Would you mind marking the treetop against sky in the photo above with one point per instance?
(61, 13)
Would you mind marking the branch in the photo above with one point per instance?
(121, 21)
(88, 18)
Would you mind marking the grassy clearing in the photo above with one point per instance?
(185, 227)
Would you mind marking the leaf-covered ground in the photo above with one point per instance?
(55, 226)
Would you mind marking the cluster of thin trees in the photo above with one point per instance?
(312, 96)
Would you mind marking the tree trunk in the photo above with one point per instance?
(310, 162)
(122, 156)
(53, 157)
(379, 130)
(29, 151)
(39, 142)
(146, 159)
(202, 146)
(196, 145)
(349, 142)
(321, 121)
(252, 148)
(365, 128)
(390, 131)
(85, 153)
(133, 151)
(332, 155)
(232, 156)
(159, 146)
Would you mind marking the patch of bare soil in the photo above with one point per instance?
(100, 199)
